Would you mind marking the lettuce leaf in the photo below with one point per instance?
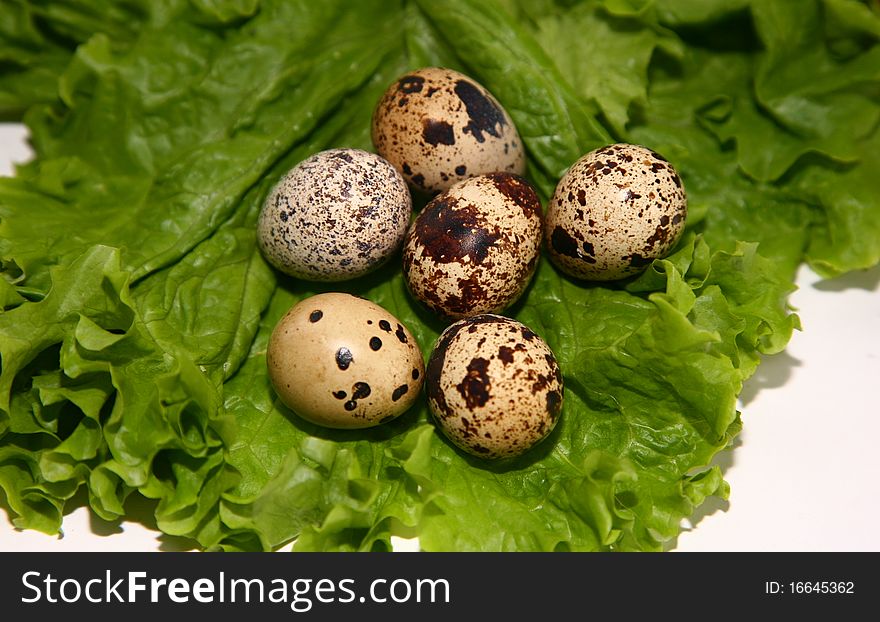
(38, 39)
(136, 307)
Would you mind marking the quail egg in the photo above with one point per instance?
(337, 215)
(344, 362)
(616, 210)
(474, 248)
(438, 126)
(494, 386)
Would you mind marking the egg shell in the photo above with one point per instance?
(616, 210)
(344, 362)
(474, 248)
(337, 215)
(438, 126)
(494, 386)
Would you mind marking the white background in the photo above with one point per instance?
(803, 475)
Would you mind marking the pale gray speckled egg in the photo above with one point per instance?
(474, 248)
(344, 362)
(337, 215)
(616, 210)
(494, 386)
(438, 126)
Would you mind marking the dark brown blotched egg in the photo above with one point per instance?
(438, 126)
(494, 386)
(344, 362)
(616, 210)
(337, 215)
(474, 248)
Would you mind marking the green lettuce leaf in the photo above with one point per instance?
(38, 39)
(610, 66)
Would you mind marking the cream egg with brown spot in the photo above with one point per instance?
(474, 248)
(341, 361)
(438, 126)
(616, 210)
(494, 387)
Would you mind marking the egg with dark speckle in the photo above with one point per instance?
(494, 386)
(337, 215)
(438, 126)
(474, 248)
(616, 210)
(341, 361)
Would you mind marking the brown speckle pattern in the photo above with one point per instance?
(336, 215)
(339, 372)
(438, 126)
(492, 392)
(616, 210)
(474, 248)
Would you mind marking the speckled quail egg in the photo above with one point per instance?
(438, 126)
(494, 386)
(474, 248)
(616, 210)
(344, 362)
(337, 215)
